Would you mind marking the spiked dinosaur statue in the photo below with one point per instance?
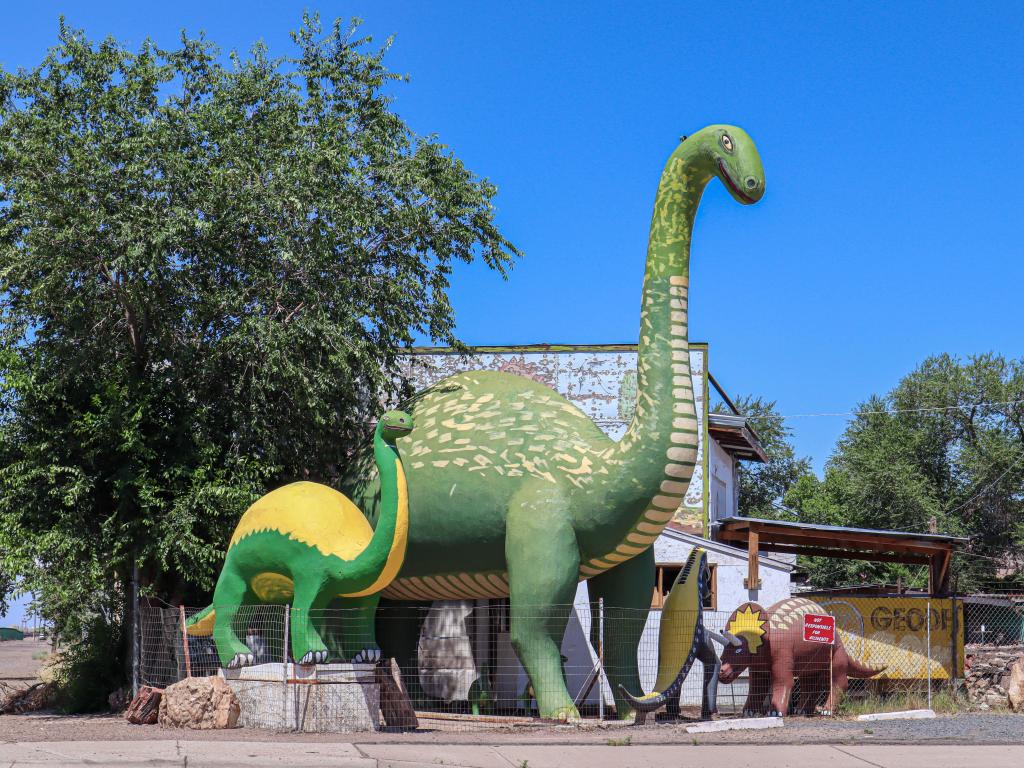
(307, 544)
(770, 643)
(515, 492)
(683, 639)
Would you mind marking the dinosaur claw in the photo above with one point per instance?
(240, 660)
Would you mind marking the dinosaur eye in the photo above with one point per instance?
(726, 142)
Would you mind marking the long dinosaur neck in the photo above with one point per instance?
(379, 563)
(657, 454)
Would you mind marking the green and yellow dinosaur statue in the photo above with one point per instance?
(307, 544)
(515, 492)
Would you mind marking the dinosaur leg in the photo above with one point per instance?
(709, 693)
(626, 590)
(356, 635)
(543, 563)
(307, 607)
(759, 683)
(227, 598)
(782, 684)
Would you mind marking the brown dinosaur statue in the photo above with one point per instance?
(770, 643)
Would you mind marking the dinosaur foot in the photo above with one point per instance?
(566, 714)
(367, 656)
(241, 660)
(314, 657)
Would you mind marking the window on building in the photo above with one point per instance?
(665, 577)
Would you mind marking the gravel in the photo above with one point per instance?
(987, 728)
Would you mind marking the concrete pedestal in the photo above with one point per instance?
(329, 698)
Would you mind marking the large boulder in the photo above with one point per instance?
(201, 703)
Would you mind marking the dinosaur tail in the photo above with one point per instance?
(861, 671)
(657, 699)
(201, 625)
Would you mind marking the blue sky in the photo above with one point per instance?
(892, 136)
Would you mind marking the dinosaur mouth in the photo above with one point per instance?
(733, 186)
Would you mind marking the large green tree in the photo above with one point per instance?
(943, 451)
(208, 266)
(764, 485)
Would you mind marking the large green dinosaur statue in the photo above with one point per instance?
(307, 544)
(514, 491)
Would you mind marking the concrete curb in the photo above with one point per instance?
(744, 724)
(908, 714)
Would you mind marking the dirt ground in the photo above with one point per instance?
(16, 663)
(18, 667)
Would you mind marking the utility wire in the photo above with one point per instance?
(906, 410)
(988, 487)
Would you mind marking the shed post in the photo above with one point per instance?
(753, 580)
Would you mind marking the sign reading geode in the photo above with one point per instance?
(819, 628)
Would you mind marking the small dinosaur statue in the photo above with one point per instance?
(770, 643)
(516, 493)
(682, 639)
(307, 544)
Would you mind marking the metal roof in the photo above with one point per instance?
(735, 436)
(838, 529)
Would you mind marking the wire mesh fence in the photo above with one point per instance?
(458, 662)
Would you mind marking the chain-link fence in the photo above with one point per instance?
(456, 665)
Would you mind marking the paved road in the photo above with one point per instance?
(225, 754)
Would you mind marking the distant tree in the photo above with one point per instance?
(763, 486)
(944, 450)
(207, 270)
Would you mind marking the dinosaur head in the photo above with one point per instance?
(732, 157)
(393, 425)
(746, 631)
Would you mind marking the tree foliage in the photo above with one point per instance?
(208, 266)
(763, 486)
(943, 451)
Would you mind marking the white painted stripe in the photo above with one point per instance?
(680, 454)
(679, 470)
(659, 515)
(683, 438)
(671, 486)
(638, 538)
(649, 528)
(678, 280)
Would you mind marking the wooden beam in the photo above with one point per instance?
(804, 538)
(753, 580)
(938, 574)
(845, 554)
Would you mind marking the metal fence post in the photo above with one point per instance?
(136, 630)
(284, 665)
(600, 658)
(929, 643)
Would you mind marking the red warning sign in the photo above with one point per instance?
(819, 629)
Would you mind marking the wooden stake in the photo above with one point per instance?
(184, 641)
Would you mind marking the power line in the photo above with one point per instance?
(893, 411)
(988, 487)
